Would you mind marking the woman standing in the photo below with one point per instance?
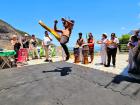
(16, 46)
(91, 46)
(103, 51)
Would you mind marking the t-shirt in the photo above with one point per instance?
(25, 44)
(114, 44)
(34, 42)
(17, 46)
(47, 41)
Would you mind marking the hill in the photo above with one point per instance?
(6, 32)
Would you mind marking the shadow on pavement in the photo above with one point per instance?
(120, 78)
(63, 71)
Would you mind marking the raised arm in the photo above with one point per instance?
(55, 27)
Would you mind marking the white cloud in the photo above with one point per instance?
(123, 28)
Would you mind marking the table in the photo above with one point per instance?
(5, 55)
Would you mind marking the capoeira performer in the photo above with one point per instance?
(65, 34)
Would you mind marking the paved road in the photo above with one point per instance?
(63, 83)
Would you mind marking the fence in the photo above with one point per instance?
(123, 48)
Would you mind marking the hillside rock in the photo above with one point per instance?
(6, 33)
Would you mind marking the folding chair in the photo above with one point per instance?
(5, 61)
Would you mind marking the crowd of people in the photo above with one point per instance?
(108, 46)
(30, 44)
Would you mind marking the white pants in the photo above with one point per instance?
(35, 52)
(81, 55)
(50, 52)
(103, 56)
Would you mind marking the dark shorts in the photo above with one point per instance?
(64, 39)
(91, 51)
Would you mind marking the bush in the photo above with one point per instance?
(124, 39)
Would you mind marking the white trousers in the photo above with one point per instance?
(81, 55)
(103, 56)
(35, 52)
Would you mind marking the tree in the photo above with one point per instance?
(124, 39)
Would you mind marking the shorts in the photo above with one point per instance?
(91, 51)
(64, 39)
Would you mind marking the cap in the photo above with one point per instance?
(26, 35)
(14, 36)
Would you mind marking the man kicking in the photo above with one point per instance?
(65, 34)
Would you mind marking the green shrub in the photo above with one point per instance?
(124, 39)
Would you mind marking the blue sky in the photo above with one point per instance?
(96, 16)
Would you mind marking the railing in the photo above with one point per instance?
(123, 48)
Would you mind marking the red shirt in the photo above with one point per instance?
(91, 43)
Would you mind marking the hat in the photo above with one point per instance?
(33, 35)
(26, 35)
(69, 21)
(105, 34)
(14, 36)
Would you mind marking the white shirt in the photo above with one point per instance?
(47, 41)
(103, 45)
(116, 41)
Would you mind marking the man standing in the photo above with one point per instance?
(80, 42)
(33, 47)
(46, 44)
(112, 50)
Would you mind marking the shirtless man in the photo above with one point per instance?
(65, 34)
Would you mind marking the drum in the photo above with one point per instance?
(76, 55)
(85, 52)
